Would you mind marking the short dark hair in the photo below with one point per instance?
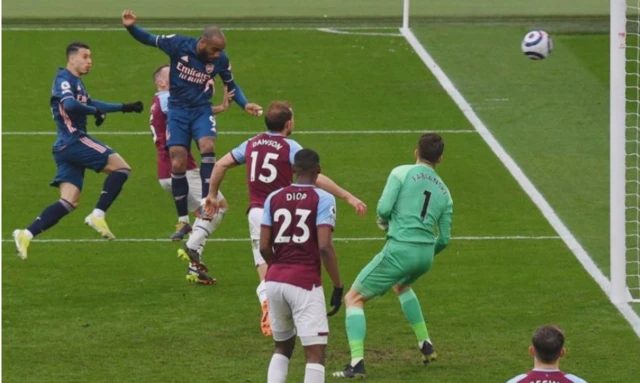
(430, 147)
(305, 160)
(156, 72)
(74, 47)
(278, 114)
(548, 342)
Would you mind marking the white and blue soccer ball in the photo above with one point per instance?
(537, 45)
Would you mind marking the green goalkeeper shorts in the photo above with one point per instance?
(397, 263)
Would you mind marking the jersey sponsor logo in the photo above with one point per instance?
(191, 75)
(209, 68)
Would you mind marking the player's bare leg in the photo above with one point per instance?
(69, 199)
(279, 365)
(117, 171)
(314, 370)
(356, 326)
(413, 313)
(180, 190)
(261, 291)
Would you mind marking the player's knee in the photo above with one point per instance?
(353, 298)
(179, 161)
(124, 170)
(286, 348)
(400, 289)
(315, 353)
(70, 203)
(206, 145)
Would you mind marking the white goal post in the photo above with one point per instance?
(625, 151)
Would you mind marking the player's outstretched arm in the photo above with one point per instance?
(325, 183)
(444, 228)
(108, 107)
(129, 21)
(238, 97)
(389, 197)
(330, 262)
(71, 105)
(212, 204)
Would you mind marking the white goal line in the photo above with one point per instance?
(241, 133)
(346, 239)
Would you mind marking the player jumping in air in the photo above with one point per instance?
(295, 238)
(158, 121)
(413, 203)
(194, 65)
(268, 158)
(74, 150)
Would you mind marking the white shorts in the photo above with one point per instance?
(293, 309)
(255, 222)
(194, 199)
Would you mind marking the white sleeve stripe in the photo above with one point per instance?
(517, 378)
(157, 37)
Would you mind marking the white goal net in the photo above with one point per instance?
(625, 150)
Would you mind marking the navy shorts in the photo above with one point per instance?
(186, 124)
(72, 160)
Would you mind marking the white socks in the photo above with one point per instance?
(98, 213)
(184, 218)
(199, 234)
(202, 229)
(278, 369)
(261, 291)
(314, 373)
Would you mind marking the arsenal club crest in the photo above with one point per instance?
(209, 68)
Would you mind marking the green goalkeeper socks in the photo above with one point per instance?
(356, 331)
(413, 312)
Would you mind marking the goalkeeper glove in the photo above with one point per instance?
(336, 300)
(382, 224)
(100, 117)
(137, 107)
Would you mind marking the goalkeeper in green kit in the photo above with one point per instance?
(413, 203)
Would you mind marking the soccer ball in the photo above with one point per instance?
(537, 45)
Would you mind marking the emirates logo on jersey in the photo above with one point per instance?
(209, 68)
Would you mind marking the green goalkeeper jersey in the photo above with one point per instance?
(415, 200)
